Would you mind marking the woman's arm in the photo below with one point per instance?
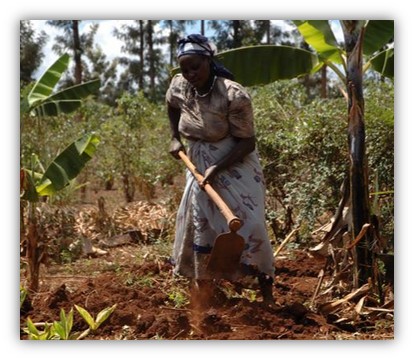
(243, 147)
(174, 117)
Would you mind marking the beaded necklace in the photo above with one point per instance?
(209, 91)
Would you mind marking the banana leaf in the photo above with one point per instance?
(264, 64)
(67, 165)
(378, 33)
(45, 85)
(319, 35)
(41, 100)
(384, 63)
(67, 100)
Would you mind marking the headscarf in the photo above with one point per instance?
(196, 44)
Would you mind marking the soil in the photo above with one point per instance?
(152, 303)
(148, 307)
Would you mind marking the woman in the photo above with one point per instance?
(214, 114)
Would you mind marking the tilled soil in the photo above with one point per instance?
(153, 304)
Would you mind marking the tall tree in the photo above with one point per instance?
(69, 41)
(151, 57)
(262, 28)
(104, 69)
(31, 54)
(77, 51)
(145, 69)
(141, 54)
(176, 29)
(133, 38)
(230, 34)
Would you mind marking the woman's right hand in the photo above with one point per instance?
(175, 146)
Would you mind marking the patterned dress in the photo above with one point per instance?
(210, 124)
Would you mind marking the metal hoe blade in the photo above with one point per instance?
(225, 256)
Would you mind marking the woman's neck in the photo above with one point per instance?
(208, 87)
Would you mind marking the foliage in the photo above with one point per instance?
(100, 318)
(378, 33)
(136, 149)
(41, 101)
(23, 295)
(31, 54)
(179, 298)
(289, 62)
(62, 329)
(303, 151)
(379, 119)
(66, 166)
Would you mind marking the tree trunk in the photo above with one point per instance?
(360, 209)
(236, 33)
(171, 38)
(77, 51)
(33, 251)
(268, 25)
(141, 55)
(150, 32)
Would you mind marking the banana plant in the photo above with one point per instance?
(368, 45)
(42, 101)
(94, 324)
(62, 329)
(285, 62)
(377, 35)
(60, 172)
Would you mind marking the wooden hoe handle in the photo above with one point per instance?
(233, 221)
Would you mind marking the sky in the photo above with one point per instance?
(104, 37)
(13, 11)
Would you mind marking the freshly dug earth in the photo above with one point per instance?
(151, 303)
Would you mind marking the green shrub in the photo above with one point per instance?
(304, 152)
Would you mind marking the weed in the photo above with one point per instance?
(62, 329)
(178, 298)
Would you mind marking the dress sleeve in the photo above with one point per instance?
(240, 113)
(174, 93)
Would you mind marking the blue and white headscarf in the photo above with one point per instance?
(196, 44)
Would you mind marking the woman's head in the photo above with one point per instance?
(195, 69)
(195, 55)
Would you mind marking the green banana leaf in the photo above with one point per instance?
(319, 35)
(67, 100)
(264, 64)
(41, 100)
(45, 85)
(384, 63)
(67, 165)
(378, 33)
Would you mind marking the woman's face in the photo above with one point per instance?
(195, 69)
